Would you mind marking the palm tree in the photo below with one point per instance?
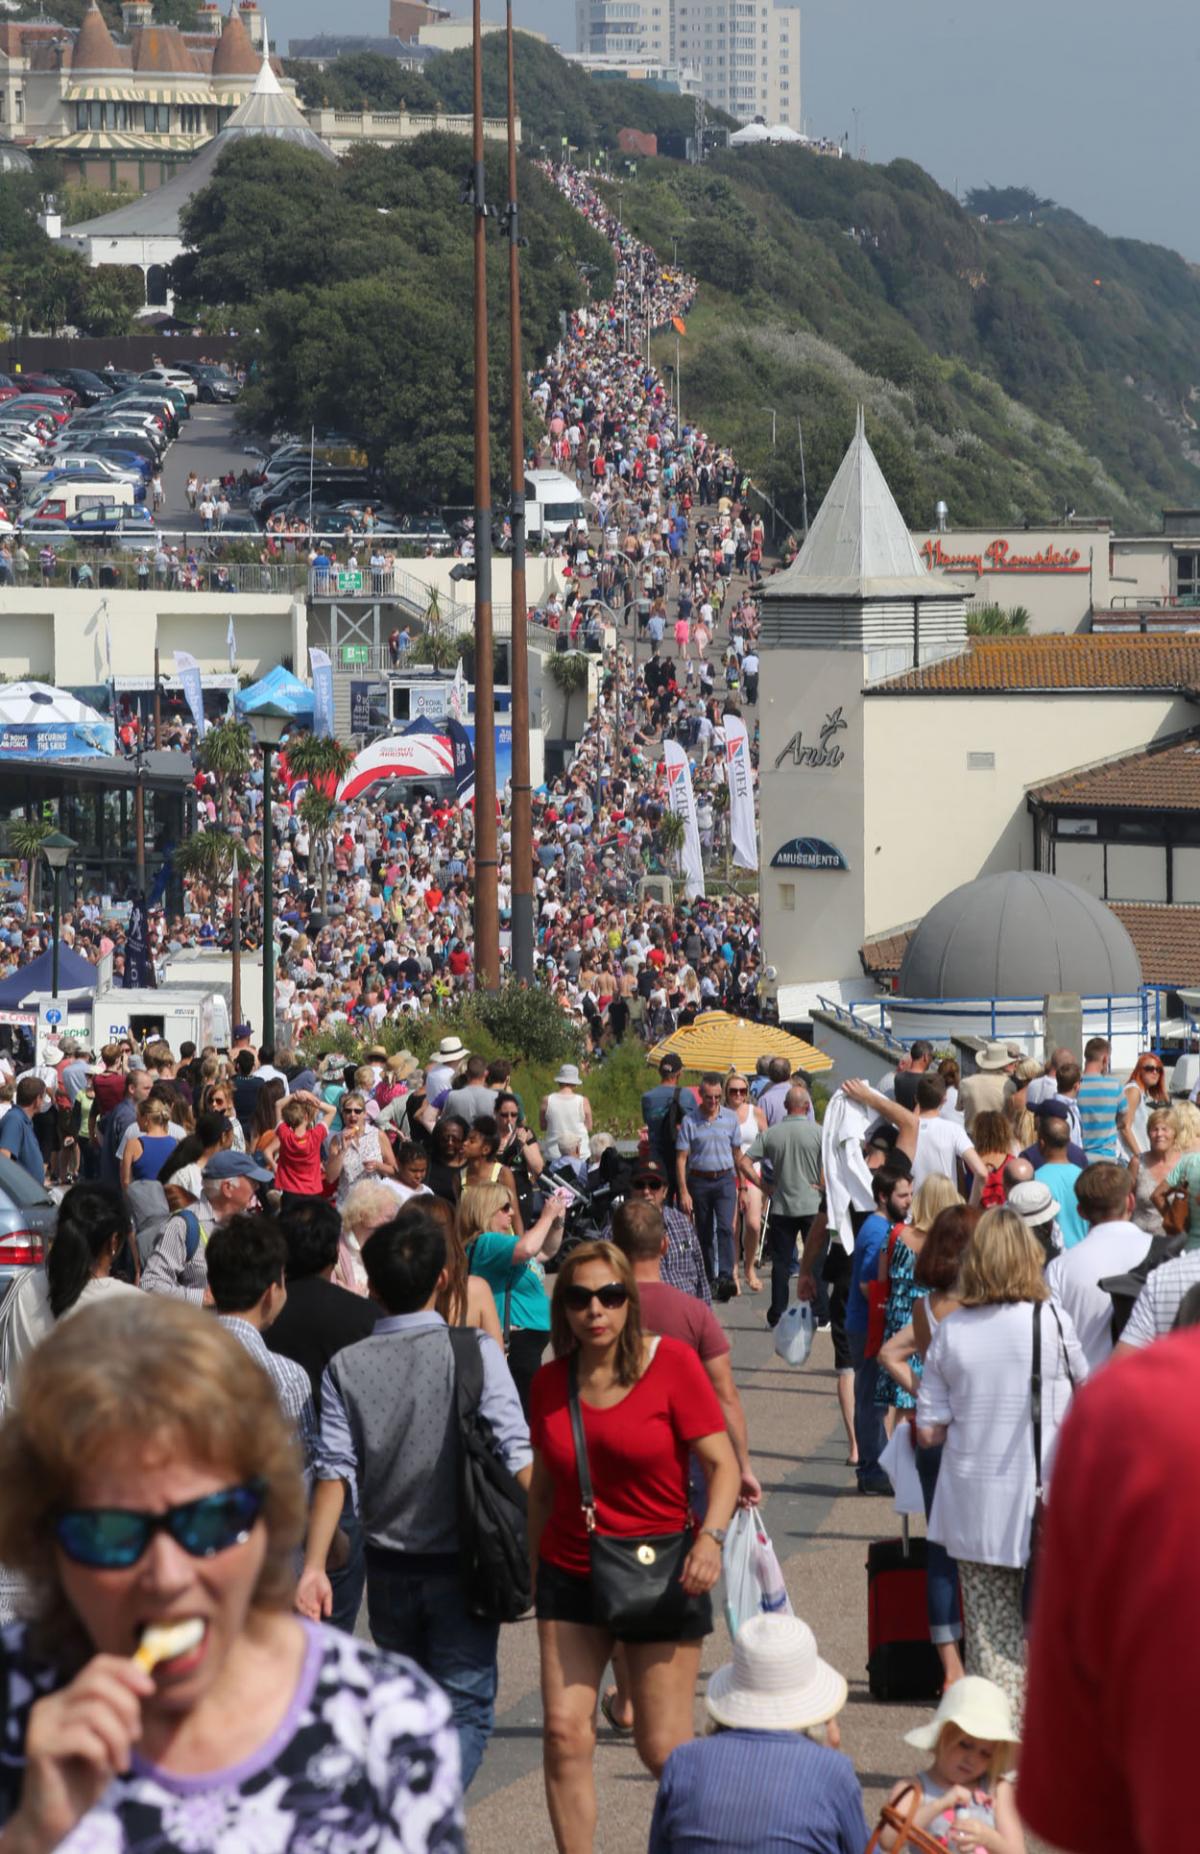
(323, 761)
(225, 752)
(438, 647)
(23, 840)
(219, 857)
(671, 832)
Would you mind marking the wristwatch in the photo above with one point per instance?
(714, 1532)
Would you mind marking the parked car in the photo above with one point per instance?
(215, 386)
(27, 1218)
(89, 386)
(172, 376)
(428, 532)
(46, 383)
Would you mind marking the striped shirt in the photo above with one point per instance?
(709, 1144)
(1159, 1301)
(293, 1387)
(1101, 1100)
(762, 1792)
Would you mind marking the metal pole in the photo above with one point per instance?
(312, 445)
(268, 945)
(487, 916)
(55, 932)
(235, 945)
(678, 389)
(803, 478)
(522, 801)
(157, 704)
(139, 819)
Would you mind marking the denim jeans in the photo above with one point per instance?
(418, 1610)
(941, 1572)
(714, 1205)
(781, 1248)
(869, 1432)
(348, 1583)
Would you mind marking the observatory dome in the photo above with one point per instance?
(1019, 935)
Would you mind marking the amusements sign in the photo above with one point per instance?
(1000, 557)
(808, 853)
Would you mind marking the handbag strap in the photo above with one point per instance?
(1036, 1398)
(587, 1498)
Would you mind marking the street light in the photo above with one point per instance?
(270, 724)
(58, 851)
(771, 410)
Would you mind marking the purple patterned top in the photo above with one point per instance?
(364, 1761)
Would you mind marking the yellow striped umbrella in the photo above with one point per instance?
(718, 1040)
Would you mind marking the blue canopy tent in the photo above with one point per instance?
(277, 689)
(74, 974)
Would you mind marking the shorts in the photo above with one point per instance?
(836, 1274)
(564, 1597)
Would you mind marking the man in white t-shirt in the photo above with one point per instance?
(1112, 1246)
(941, 1143)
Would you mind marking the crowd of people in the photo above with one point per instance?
(235, 1426)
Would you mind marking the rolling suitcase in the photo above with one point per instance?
(902, 1662)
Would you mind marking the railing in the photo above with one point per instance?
(138, 573)
(1100, 1013)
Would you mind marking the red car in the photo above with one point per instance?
(41, 384)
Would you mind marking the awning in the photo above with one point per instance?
(117, 141)
(105, 93)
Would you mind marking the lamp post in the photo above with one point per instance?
(58, 851)
(270, 724)
(521, 864)
(772, 411)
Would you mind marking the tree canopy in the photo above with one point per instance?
(43, 286)
(358, 278)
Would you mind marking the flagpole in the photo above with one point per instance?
(522, 801)
(487, 916)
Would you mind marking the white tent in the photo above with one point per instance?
(780, 132)
(753, 132)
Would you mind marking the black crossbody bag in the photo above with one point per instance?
(636, 1588)
(1039, 1502)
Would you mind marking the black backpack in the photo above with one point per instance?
(493, 1536)
(1125, 1289)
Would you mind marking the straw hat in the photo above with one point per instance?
(451, 1048)
(1034, 1203)
(776, 1681)
(993, 1056)
(977, 1707)
(401, 1065)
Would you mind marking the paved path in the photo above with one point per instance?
(207, 445)
(820, 1526)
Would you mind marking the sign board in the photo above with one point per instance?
(368, 707)
(431, 701)
(354, 656)
(53, 1015)
(1000, 556)
(21, 1019)
(808, 853)
(822, 753)
(348, 582)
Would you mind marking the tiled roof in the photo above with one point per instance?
(235, 55)
(161, 48)
(1060, 663)
(1167, 939)
(1165, 778)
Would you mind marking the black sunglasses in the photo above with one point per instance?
(111, 1538)
(578, 1299)
(649, 1184)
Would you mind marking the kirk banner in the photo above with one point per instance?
(139, 966)
(322, 681)
(682, 801)
(740, 774)
(188, 671)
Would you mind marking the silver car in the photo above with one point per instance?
(28, 1215)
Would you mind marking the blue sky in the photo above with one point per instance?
(1093, 105)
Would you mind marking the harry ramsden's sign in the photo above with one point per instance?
(826, 754)
(999, 557)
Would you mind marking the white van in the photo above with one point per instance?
(552, 503)
(67, 499)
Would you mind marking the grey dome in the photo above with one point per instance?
(1019, 935)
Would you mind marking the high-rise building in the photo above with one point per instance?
(748, 53)
(626, 30)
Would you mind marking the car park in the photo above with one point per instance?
(98, 525)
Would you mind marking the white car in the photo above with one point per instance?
(173, 376)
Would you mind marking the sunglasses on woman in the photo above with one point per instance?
(578, 1299)
(352, 1113)
(112, 1538)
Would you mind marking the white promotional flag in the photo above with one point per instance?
(682, 801)
(740, 775)
(188, 671)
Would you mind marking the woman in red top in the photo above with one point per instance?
(647, 1405)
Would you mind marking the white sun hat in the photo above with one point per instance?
(776, 1682)
(977, 1707)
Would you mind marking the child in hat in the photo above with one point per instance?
(966, 1800)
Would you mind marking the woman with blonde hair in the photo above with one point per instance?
(512, 1267)
(154, 1504)
(1186, 1170)
(1006, 1351)
(367, 1206)
(1152, 1167)
(747, 1232)
(1017, 1111)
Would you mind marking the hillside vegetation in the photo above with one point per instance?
(1013, 369)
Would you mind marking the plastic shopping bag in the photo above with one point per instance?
(794, 1333)
(899, 1463)
(753, 1579)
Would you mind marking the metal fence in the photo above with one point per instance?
(121, 572)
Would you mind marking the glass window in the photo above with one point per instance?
(1187, 571)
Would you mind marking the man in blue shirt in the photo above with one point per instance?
(706, 1176)
(18, 1140)
(892, 1191)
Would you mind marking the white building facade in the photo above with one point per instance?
(747, 52)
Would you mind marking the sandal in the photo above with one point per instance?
(608, 1708)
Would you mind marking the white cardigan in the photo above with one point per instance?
(978, 1382)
